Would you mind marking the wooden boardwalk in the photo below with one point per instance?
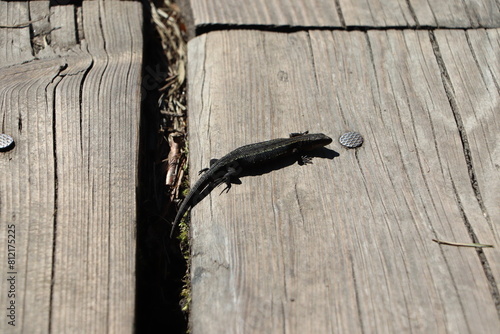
(346, 245)
(70, 96)
(342, 245)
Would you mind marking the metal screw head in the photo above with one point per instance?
(6, 142)
(351, 140)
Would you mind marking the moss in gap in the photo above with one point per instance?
(184, 244)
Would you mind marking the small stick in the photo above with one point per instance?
(22, 25)
(459, 244)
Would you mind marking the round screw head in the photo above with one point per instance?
(351, 140)
(6, 142)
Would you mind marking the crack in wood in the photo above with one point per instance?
(448, 87)
(356, 294)
(495, 293)
(340, 14)
(412, 12)
(55, 82)
(450, 94)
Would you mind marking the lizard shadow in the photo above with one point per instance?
(266, 168)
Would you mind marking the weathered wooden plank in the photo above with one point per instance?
(378, 13)
(397, 13)
(262, 12)
(105, 152)
(348, 13)
(27, 196)
(472, 73)
(458, 14)
(15, 46)
(64, 35)
(69, 185)
(343, 245)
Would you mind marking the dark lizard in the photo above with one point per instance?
(234, 164)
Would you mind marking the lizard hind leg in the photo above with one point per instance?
(229, 182)
(226, 189)
(229, 178)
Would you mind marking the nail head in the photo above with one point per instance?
(351, 140)
(6, 142)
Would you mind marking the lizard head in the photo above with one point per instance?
(315, 140)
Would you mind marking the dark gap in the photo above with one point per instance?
(209, 27)
(160, 265)
(56, 190)
(77, 3)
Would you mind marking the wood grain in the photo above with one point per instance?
(471, 76)
(343, 245)
(69, 184)
(348, 13)
(261, 12)
(439, 14)
(15, 42)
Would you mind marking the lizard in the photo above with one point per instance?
(234, 164)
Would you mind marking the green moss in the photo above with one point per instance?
(184, 243)
(183, 238)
